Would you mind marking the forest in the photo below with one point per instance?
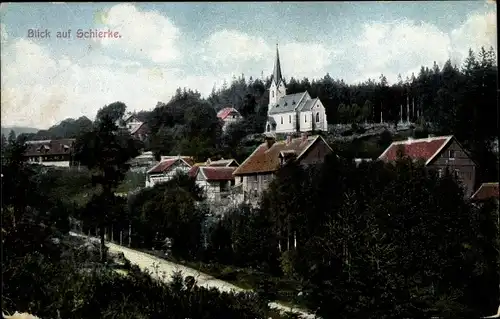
(341, 240)
(459, 100)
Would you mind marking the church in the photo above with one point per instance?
(292, 113)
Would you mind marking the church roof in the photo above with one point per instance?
(277, 76)
(307, 105)
(290, 103)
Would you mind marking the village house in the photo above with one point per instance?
(485, 192)
(294, 112)
(258, 170)
(167, 168)
(215, 181)
(228, 115)
(140, 132)
(142, 162)
(57, 153)
(438, 153)
(219, 163)
(136, 127)
(215, 178)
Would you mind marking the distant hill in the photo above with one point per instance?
(18, 130)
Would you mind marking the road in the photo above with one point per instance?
(163, 270)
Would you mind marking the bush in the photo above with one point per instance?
(287, 261)
(228, 274)
(358, 129)
(266, 289)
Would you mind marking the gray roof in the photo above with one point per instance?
(277, 76)
(307, 105)
(288, 103)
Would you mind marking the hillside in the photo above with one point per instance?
(18, 130)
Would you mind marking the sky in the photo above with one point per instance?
(158, 47)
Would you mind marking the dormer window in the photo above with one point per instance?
(285, 104)
(451, 154)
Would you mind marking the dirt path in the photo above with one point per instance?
(164, 269)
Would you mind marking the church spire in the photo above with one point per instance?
(277, 76)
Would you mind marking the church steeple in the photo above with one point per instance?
(277, 76)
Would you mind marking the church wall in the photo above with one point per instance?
(322, 125)
(306, 121)
(289, 122)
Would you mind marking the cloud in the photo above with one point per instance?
(479, 30)
(67, 87)
(402, 47)
(237, 52)
(41, 87)
(397, 47)
(143, 33)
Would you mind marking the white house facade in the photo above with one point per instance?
(228, 116)
(214, 181)
(293, 112)
(166, 169)
(130, 122)
(55, 153)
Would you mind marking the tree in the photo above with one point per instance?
(168, 211)
(12, 137)
(249, 105)
(115, 111)
(105, 151)
(4, 142)
(16, 181)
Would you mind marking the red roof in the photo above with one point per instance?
(265, 159)
(141, 129)
(193, 171)
(164, 165)
(486, 191)
(218, 173)
(424, 148)
(225, 112)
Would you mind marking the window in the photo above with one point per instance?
(440, 172)
(289, 119)
(305, 118)
(457, 173)
(268, 127)
(272, 92)
(282, 120)
(451, 154)
(317, 117)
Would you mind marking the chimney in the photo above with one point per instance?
(270, 141)
(288, 139)
(303, 136)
